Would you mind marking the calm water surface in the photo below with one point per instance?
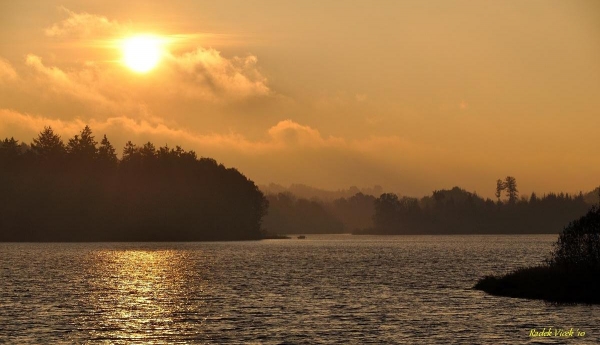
(324, 289)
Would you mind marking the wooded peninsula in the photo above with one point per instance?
(81, 191)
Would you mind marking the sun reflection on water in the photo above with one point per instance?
(135, 293)
(379, 291)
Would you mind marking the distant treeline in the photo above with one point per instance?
(457, 211)
(81, 191)
(302, 191)
(453, 211)
(291, 215)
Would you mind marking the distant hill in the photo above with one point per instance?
(307, 192)
(290, 215)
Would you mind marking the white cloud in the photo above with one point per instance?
(83, 24)
(204, 76)
(203, 73)
(84, 85)
(211, 75)
(289, 133)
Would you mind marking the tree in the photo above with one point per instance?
(512, 193)
(533, 198)
(500, 186)
(83, 146)
(10, 152)
(578, 245)
(48, 145)
(510, 186)
(164, 152)
(10, 147)
(129, 151)
(106, 153)
(148, 151)
(386, 211)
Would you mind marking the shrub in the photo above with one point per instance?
(578, 245)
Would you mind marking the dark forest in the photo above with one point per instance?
(457, 211)
(81, 191)
(446, 211)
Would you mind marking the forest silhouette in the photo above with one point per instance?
(81, 191)
(446, 211)
(457, 211)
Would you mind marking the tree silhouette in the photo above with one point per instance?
(512, 193)
(106, 153)
(48, 145)
(534, 198)
(148, 151)
(10, 148)
(129, 150)
(510, 186)
(500, 186)
(386, 212)
(578, 245)
(82, 146)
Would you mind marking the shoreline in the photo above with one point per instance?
(549, 283)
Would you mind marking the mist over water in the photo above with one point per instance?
(324, 289)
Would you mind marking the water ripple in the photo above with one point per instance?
(325, 289)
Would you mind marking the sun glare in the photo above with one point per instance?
(141, 53)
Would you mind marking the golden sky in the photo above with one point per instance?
(410, 95)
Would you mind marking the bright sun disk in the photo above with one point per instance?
(141, 53)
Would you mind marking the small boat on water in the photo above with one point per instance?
(301, 237)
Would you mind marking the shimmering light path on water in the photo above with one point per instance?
(324, 289)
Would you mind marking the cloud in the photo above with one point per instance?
(284, 135)
(84, 85)
(7, 72)
(202, 73)
(108, 91)
(288, 152)
(204, 76)
(297, 152)
(213, 75)
(288, 133)
(15, 123)
(80, 25)
(124, 128)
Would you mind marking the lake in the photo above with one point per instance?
(325, 289)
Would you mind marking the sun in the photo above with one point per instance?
(141, 53)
